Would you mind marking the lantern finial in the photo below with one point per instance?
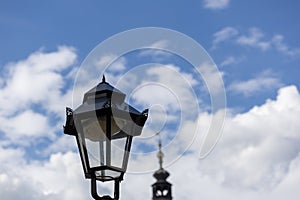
(103, 78)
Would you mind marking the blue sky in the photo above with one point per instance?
(255, 46)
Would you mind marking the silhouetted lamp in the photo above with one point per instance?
(104, 126)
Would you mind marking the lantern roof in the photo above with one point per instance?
(104, 88)
(97, 106)
(105, 98)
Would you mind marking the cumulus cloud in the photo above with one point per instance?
(259, 149)
(257, 156)
(28, 124)
(267, 136)
(58, 178)
(35, 80)
(165, 75)
(34, 89)
(167, 91)
(216, 4)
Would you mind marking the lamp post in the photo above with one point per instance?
(104, 126)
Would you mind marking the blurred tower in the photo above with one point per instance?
(161, 189)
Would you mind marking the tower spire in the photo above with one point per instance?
(161, 189)
(160, 154)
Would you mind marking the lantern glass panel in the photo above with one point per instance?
(107, 156)
(82, 153)
(96, 152)
(118, 152)
(95, 128)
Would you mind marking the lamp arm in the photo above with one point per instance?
(106, 197)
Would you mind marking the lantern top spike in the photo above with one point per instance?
(103, 79)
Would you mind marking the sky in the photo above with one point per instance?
(220, 79)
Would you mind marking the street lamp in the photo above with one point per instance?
(104, 126)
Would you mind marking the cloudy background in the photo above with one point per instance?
(255, 47)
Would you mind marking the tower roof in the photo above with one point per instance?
(161, 174)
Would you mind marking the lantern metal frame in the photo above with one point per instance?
(108, 104)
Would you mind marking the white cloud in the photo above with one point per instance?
(231, 60)
(267, 136)
(118, 66)
(256, 158)
(35, 80)
(259, 149)
(58, 178)
(277, 41)
(263, 82)
(288, 188)
(112, 62)
(27, 124)
(173, 95)
(224, 35)
(156, 50)
(213, 78)
(61, 144)
(254, 39)
(169, 93)
(256, 151)
(105, 60)
(171, 87)
(11, 157)
(34, 90)
(216, 4)
(161, 44)
(228, 61)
